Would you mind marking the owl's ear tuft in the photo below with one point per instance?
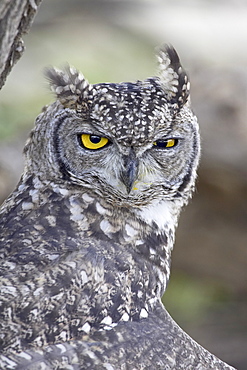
(174, 80)
(70, 87)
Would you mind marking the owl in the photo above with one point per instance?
(86, 237)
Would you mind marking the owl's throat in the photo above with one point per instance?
(146, 233)
(146, 236)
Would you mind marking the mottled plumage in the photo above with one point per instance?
(86, 237)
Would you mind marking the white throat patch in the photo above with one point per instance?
(161, 213)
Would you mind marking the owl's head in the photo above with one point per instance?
(129, 142)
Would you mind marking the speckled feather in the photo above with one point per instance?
(86, 237)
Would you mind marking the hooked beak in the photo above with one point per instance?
(130, 173)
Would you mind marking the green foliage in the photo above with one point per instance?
(189, 300)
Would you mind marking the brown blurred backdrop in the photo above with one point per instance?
(113, 40)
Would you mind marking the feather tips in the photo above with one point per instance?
(73, 90)
(174, 79)
(70, 87)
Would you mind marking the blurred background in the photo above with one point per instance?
(113, 40)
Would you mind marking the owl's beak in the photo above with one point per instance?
(130, 173)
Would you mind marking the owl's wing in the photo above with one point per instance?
(154, 343)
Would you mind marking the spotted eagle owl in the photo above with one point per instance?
(86, 237)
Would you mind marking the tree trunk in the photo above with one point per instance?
(15, 20)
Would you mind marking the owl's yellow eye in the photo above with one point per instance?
(169, 143)
(93, 141)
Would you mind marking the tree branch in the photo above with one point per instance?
(16, 17)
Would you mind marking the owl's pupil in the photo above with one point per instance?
(95, 139)
(167, 144)
(161, 144)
